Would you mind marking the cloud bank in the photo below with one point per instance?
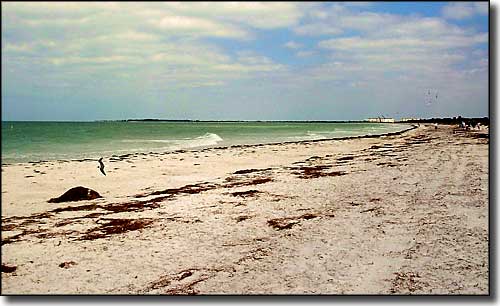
(249, 60)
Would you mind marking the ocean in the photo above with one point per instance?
(35, 141)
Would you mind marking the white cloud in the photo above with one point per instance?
(308, 53)
(160, 41)
(358, 4)
(366, 21)
(158, 45)
(338, 18)
(464, 10)
(262, 15)
(91, 60)
(413, 52)
(182, 25)
(390, 44)
(315, 29)
(293, 45)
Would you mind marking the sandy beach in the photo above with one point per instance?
(401, 214)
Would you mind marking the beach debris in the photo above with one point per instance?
(8, 269)
(77, 194)
(345, 158)
(174, 284)
(232, 181)
(115, 226)
(255, 254)
(288, 222)
(308, 172)
(101, 166)
(370, 209)
(386, 164)
(245, 171)
(406, 282)
(183, 274)
(242, 218)
(245, 194)
(186, 189)
(67, 264)
(479, 135)
(312, 158)
(186, 289)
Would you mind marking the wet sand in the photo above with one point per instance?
(401, 214)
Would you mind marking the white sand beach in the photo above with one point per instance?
(403, 214)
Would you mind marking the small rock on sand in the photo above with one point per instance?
(8, 269)
(77, 194)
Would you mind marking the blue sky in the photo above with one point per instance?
(243, 61)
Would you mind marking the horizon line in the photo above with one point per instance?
(235, 120)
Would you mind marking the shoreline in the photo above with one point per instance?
(401, 214)
(201, 149)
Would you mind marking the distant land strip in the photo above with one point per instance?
(454, 120)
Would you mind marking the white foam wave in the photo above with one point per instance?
(209, 139)
(315, 135)
(149, 140)
(204, 140)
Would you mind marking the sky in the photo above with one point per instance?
(79, 61)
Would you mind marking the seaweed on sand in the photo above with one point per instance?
(115, 226)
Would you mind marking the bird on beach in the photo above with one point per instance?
(101, 166)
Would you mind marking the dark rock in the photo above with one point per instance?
(8, 269)
(76, 194)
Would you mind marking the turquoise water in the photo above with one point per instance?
(35, 141)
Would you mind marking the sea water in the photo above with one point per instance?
(35, 141)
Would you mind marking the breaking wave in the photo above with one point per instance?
(208, 139)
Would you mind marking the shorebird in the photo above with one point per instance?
(101, 166)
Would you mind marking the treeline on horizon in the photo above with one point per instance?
(446, 120)
(189, 120)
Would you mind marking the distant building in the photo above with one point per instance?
(408, 119)
(380, 120)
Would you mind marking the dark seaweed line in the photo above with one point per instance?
(133, 206)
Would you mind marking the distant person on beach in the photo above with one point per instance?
(435, 126)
